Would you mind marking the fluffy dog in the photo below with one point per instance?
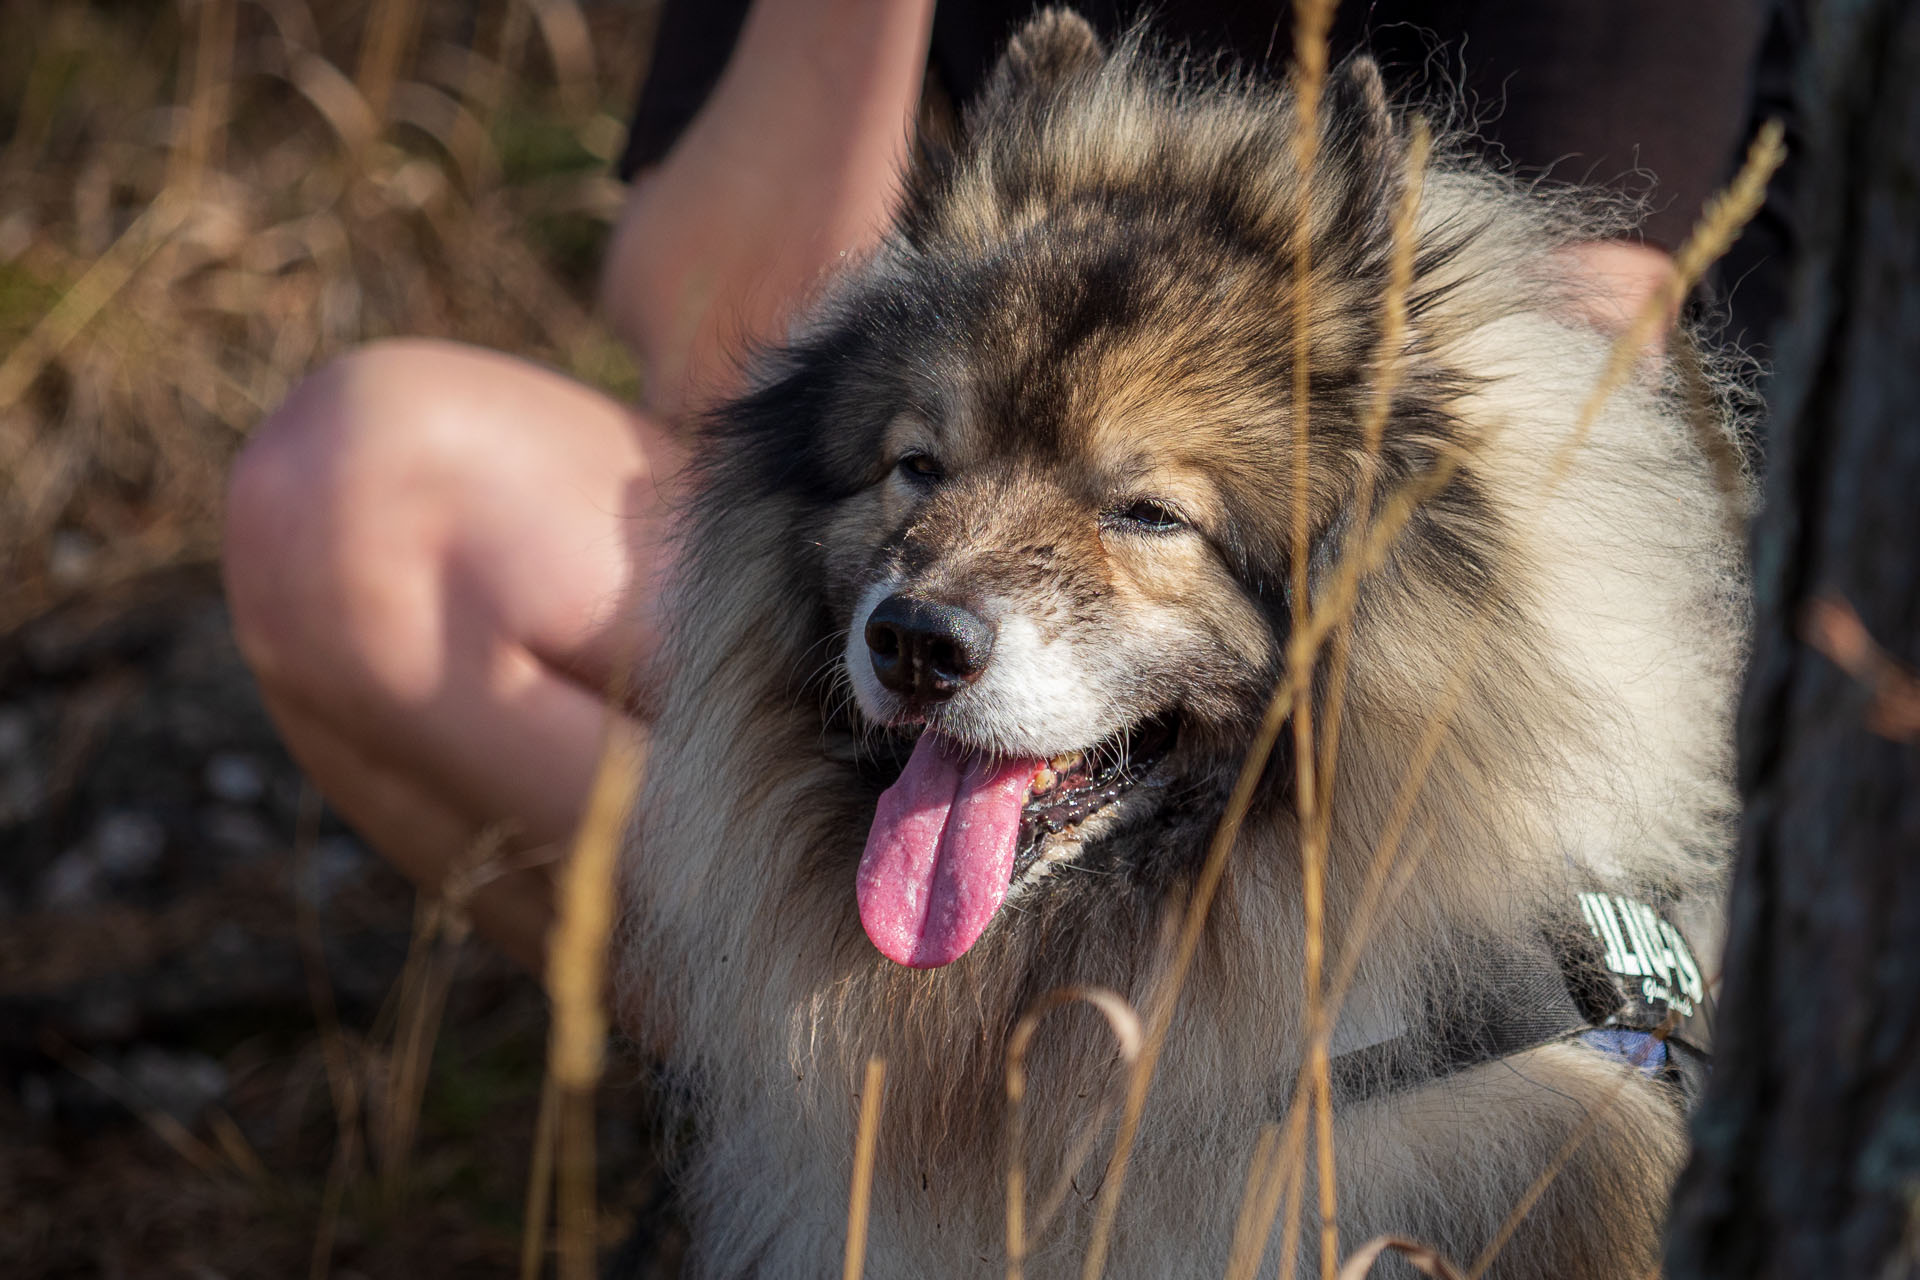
(983, 596)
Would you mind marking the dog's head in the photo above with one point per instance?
(1041, 455)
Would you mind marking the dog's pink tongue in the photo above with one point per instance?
(940, 852)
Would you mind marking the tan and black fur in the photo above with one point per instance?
(1083, 318)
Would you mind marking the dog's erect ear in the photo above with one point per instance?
(1056, 45)
(1356, 108)
(1055, 49)
(1359, 129)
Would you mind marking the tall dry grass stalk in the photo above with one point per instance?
(342, 1083)
(576, 979)
(1166, 994)
(866, 1144)
(1389, 369)
(442, 923)
(1296, 1184)
(575, 1165)
(236, 1146)
(1124, 1022)
(1312, 21)
(485, 86)
(1390, 366)
(201, 145)
(391, 29)
(1249, 1238)
(1725, 216)
(1275, 1185)
(1721, 223)
(533, 1228)
(569, 42)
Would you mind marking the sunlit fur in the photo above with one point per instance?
(1088, 303)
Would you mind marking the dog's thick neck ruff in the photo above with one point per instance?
(984, 595)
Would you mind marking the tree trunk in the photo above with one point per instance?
(1807, 1156)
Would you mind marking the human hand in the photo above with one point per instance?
(1612, 280)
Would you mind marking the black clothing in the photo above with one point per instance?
(1646, 96)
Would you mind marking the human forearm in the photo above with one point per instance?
(789, 169)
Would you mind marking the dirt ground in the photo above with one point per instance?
(165, 1101)
(216, 1057)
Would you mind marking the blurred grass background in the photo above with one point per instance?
(231, 1044)
(332, 173)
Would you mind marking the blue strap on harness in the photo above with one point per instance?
(1627, 986)
(1640, 1049)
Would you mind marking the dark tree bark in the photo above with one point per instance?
(1807, 1159)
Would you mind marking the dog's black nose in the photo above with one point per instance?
(927, 651)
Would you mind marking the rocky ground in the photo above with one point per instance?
(199, 1006)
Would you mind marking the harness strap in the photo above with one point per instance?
(1626, 985)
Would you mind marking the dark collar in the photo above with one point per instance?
(1612, 973)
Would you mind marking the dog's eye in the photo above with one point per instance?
(1150, 516)
(921, 468)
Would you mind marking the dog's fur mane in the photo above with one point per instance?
(1596, 626)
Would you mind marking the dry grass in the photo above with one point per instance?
(199, 204)
(1128, 1036)
(1832, 627)
(181, 1140)
(1312, 21)
(866, 1145)
(1388, 875)
(577, 983)
(1284, 1153)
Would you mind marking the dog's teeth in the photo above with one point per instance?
(1043, 781)
(1065, 761)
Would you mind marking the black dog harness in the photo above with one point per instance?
(1619, 978)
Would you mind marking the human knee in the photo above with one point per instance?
(331, 512)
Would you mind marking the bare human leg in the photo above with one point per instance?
(438, 558)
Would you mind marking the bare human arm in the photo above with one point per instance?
(789, 170)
